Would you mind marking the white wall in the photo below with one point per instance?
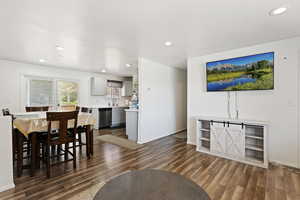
(13, 89)
(279, 106)
(162, 100)
(6, 167)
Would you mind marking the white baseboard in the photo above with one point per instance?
(156, 138)
(178, 131)
(6, 187)
(191, 143)
(277, 163)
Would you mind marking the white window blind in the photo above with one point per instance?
(40, 92)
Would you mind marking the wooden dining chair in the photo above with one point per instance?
(5, 112)
(82, 129)
(67, 107)
(36, 108)
(86, 110)
(64, 136)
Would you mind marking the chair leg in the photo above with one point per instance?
(15, 144)
(48, 160)
(80, 141)
(43, 152)
(58, 151)
(53, 149)
(28, 148)
(38, 155)
(20, 155)
(74, 154)
(66, 151)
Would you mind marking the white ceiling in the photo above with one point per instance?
(99, 34)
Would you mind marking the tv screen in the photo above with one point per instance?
(254, 72)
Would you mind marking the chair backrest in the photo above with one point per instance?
(36, 108)
(65, 133)
(67, 107)
(5, 112)
(86, 110)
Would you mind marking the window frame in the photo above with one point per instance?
(55, 100)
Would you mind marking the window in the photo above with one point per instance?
(43, 92)
(114, 89)
(67, 92)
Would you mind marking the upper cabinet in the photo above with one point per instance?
(127, 89)
(98, 86)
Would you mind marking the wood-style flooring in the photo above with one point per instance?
(222, 179)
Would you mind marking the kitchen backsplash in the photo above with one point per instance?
(104, 100)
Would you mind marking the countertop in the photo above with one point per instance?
(132, 110)
(103, 106)
(245, 121)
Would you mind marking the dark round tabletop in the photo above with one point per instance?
(151, 185)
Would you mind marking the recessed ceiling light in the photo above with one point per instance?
(128, 65)
(103, 70)
(59, 48)
(278, 11)
(42, 60)
(168, 43)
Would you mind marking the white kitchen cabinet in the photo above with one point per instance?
(98, 86)
(132, 124)
(127, 89)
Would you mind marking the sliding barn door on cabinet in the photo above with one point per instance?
(218, 138)
(239, 140)
(235, 141)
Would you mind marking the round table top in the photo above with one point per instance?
(151, 185)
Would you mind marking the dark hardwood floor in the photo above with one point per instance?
(222, 179)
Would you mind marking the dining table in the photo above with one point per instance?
(31, 124)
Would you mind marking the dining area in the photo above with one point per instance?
(44, 137)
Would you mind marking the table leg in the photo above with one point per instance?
(33, 137)
(91, 140)
(87, 138)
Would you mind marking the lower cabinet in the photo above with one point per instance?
(118, 117)
(237, 140)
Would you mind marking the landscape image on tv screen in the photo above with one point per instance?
(254, 72)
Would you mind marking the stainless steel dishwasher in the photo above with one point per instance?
(105, 117)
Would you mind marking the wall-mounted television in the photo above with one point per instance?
(253, 72)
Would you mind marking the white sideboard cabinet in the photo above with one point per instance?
(240, 140)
